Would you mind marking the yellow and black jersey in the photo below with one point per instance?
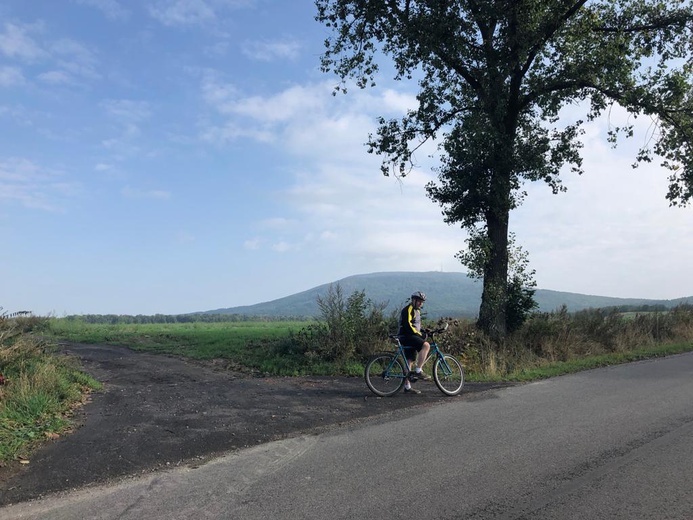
(410, 321)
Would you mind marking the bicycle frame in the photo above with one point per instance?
(434, 352)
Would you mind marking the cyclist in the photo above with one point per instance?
(412, 337)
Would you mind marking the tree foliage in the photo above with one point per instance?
(350, 328)
(493, 78)
(520, 287)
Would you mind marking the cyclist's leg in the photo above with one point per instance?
(422, 356)
(410, 354)
(418, 344)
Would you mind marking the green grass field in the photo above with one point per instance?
(245, 344)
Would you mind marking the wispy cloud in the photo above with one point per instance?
(252, 244)
(191, 13)
(258, 112)
(67, 61)
(130, 115)
(11, 76)
(76, 59)
(56, 77)
(111, 8)
(255, 117)
(16, 42)
(182, 12)
(135, 193)
(127, 110)
(272, 50)
(25, 182)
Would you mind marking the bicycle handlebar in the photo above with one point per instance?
(426, 331)
(437, 331)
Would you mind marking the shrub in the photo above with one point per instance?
(350, 328)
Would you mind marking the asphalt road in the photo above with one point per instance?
(613, 443)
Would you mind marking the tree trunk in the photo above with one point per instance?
(492, 313)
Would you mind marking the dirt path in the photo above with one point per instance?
(156, 412)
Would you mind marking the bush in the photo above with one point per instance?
(349, 329)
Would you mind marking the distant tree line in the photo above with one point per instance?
(126, 319)
(638, 308)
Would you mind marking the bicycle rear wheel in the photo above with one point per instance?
(384, 374)
(448, 375)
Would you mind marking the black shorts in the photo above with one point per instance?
(412, 345)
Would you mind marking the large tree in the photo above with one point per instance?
(493, 76)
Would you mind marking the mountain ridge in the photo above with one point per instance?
(449, 294)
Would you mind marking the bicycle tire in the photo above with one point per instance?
(448, 375)
(380, 383)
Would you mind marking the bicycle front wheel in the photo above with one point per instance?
(448, 375)
(384, 374)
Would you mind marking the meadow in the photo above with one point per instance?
(243, 345)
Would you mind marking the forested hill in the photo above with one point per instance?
(449, 294)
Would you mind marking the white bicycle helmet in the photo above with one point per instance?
(419, 296)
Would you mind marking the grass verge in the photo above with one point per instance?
(39, 390)
(559, 368)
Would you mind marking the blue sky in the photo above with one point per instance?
(171, 156)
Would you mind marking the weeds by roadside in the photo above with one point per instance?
(559, 342)
(38, 389)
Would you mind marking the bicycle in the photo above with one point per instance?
(386, 372)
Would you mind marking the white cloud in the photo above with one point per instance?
(15, 42)
(129, 115)
(193, 12)
(111, 8)
(272, 50)
(135, 193)
(11, 76)
(277, 223)
(55, 77)
(75, 58)
(34, 187)
(127, 111)
(68, 60)
(182, 12)
(231, 132)
(294, 101)
(283, 247)
(399, 101)
(253, 244)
